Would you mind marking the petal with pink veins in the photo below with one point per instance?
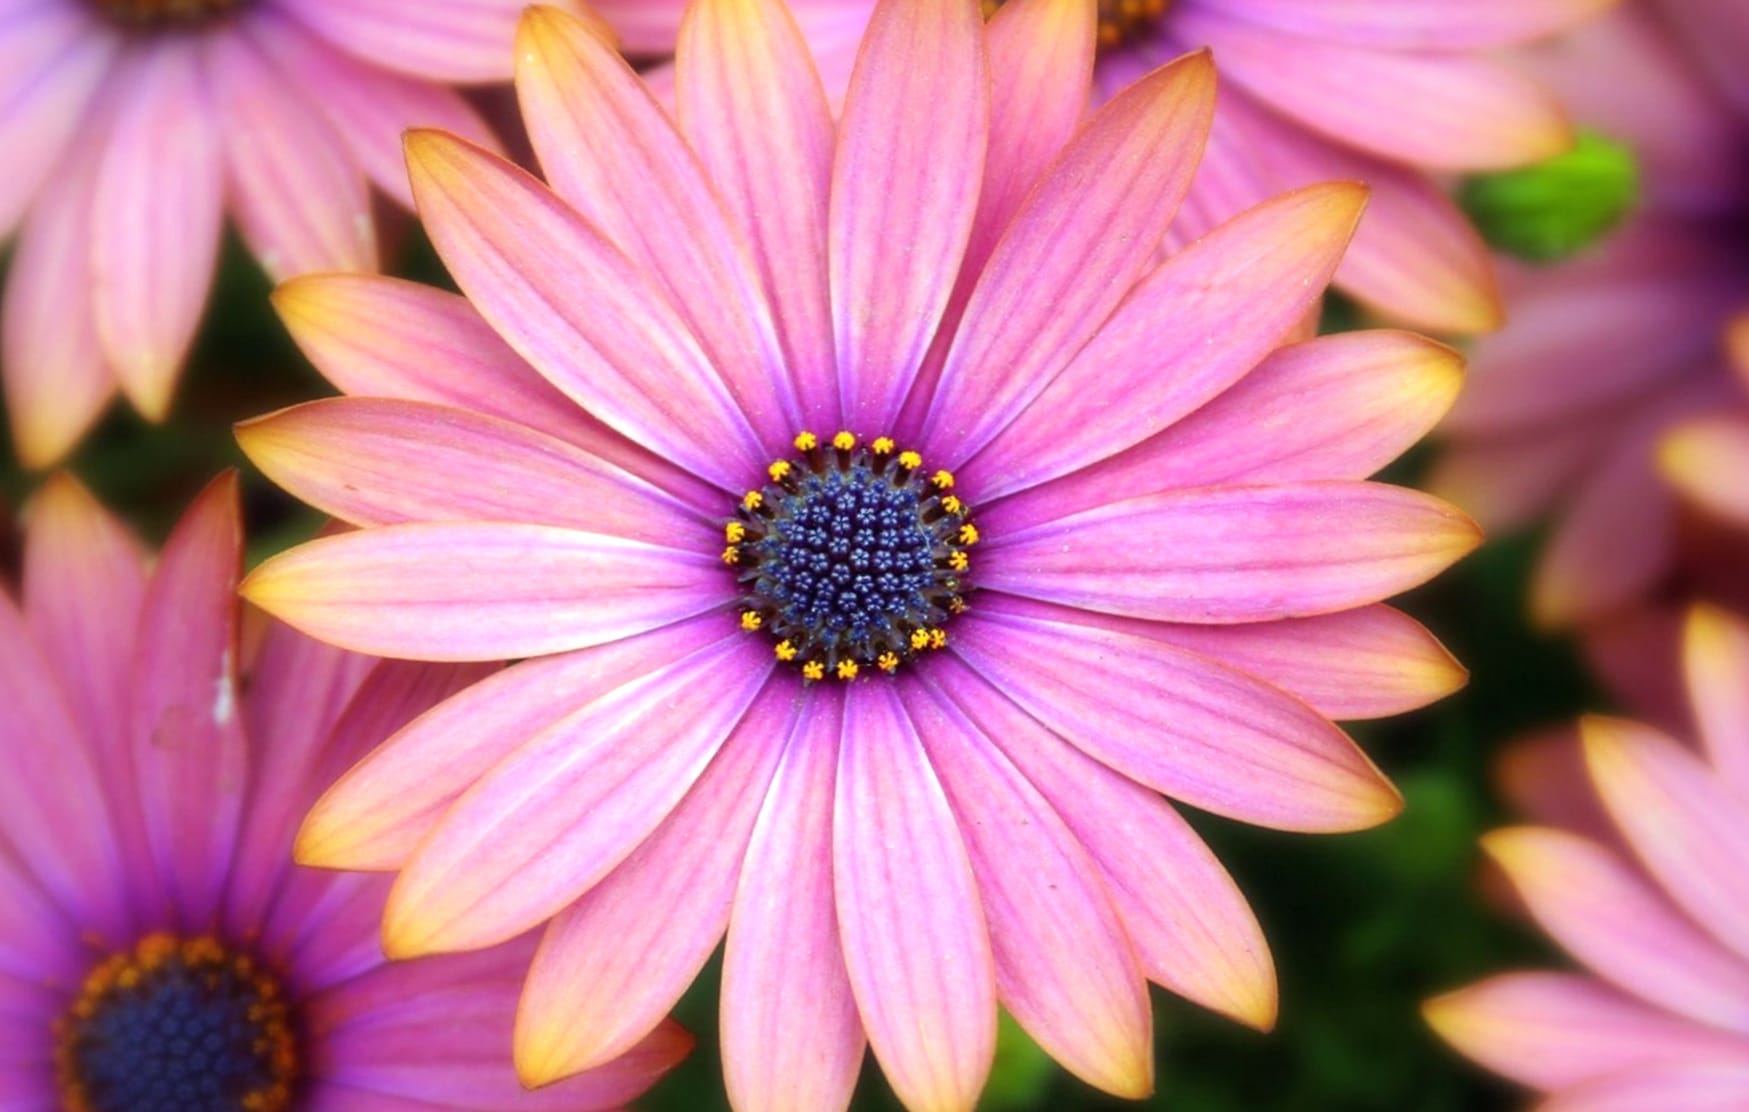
(482, 590)
(1179, 723)
(614, 963)
(1720, 1085)
(552, 819)
(911, 142)
(1417, 24)
(915, 940)
(792, 1039)
(459, 41)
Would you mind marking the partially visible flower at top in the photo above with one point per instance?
(159, 952)
(877, 665)
(132, 126)
(1656, 905)
(1391, 93)
(1572, 407)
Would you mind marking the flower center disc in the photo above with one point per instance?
(178, 1025)
(164, 13)
(852, 558)
(1120, 21)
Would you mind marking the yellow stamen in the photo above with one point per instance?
(751, 620)
(813, 670)
(919, 640)
(968, 534)
(752, 500)
(844, 441)
(731, 555)
(806, 442)
(883, 445)
(847, 670)
(734, 532)
(911, 461)
(943, 480)
(938, 638)
(959, 561)
(786, 651)
(888, 662)
(778, 469)
(957, 605)
(952, 504)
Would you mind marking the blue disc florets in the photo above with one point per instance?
(852, 558)
(178, 1025)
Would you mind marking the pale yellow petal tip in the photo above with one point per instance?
(406, 937)
(1517, 849)
(1451, 1015)
(1711, 632)
(539, 1059)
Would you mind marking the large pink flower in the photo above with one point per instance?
(890, 701)
(132, 126)
(155, 774)
(1659, 913)
(1609, 353)
(1396, 94)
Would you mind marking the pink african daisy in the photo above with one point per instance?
(1608, 353)
(881, 673)
(148, 903)
(132, 127)
(1394, 94)
(1659, 912)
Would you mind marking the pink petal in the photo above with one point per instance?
(642, 28)
(613, 964)
(913, 136)
(57, 379)
(1687, 826)
(1369, 662)
(482, 590)
(652, 201)
(915, 942)
(1555, 1030)
(576, 308)
(751, 106)
(368, 106)
(390, 338)
(432, 1034)
(1416, 24)
(1720, 1085)
(1715, 656)
(1508, 483)
(54, 818)
(791, 1035)
(1072, 254)
(455, 41)
(1187, 332)
(376, 815)
(1449, 111)
(299, 199)
(1706, 459)
(54, 60)
(156, 218)
(1190, 926)
(378, 461)
(1065, 966)
(1608, 917)
(189, 749)
(1178, 722)
(556, 816)
(1232, 554)
(1718, 32)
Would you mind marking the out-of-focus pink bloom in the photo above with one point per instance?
(1571, 407)
(1707, 458)
(1659, 915)
(892, 702)
(131, 127)
(1391, 93)
(148, 901)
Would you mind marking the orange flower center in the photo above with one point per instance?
(1120, 21)
(165, 13)
(177, 1025)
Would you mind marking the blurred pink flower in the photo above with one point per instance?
(1393, 93)
(1659, 914)
(146, 820)
(131, 127)
(1609, 353)
(1119, 545)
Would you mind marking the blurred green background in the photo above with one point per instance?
(1363, 927)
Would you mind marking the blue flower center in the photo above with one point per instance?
(164, 13)
(852, 558)
(178, 1025)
